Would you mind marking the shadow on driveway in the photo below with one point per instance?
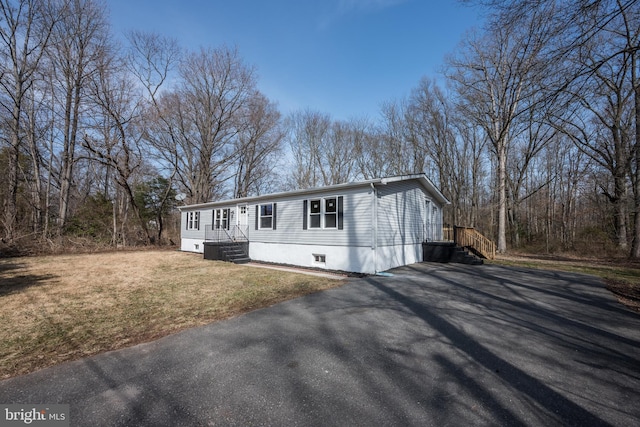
(436, 344)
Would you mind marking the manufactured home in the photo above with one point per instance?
(367, 227)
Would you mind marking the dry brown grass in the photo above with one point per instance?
(59, 308)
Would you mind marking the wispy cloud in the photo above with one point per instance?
(350, 6)
(344, 8)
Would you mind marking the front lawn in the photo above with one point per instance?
(60, 308)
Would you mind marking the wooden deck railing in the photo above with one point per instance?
(447, 234)
(469, 237)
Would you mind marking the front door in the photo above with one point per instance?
(242, 230)
(243, 219)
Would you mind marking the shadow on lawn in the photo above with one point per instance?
(11, 281)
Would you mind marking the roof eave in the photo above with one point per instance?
(421, 177)
(301, 192)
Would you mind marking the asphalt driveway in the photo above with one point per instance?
(436, 344)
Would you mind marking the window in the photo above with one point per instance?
(323, 213)
(193, 220)
(330, 213)
(221, 219)
(315, 213)
(243, 210)
(266, 216)
(319, 258)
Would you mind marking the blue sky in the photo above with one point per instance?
(341, 57)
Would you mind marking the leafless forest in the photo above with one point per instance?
(534, 135)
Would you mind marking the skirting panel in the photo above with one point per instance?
(345, 258)
(192, 245)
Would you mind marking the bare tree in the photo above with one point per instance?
(536, 134)
(79, 41)
(36, 128)
(206, 113)
(25, 30)
(496, 77)
(258, 145)
(602, 109)
(441, 137)
(595, 46)
(368, 149)
(629, 41)
(307, 134)
(151, 59)
(403, 154)
(115, 137)
(472, 143)
(431, 135)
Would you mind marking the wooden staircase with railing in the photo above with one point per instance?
(464, 245)
(471, 239)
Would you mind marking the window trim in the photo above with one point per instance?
(221, 219)
(193, 220)
(313, 215)
(261, 216)
(323, 213)
(319, 259)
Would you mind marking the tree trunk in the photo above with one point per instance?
(70, 137)
(620, 210)
(635, 247)
(502, 197)
(11, 209)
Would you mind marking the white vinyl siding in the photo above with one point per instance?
(366, 227)
(398, 207)
(290, 220)
(205, 218)
(402, 214)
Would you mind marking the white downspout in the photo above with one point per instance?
(374, 226)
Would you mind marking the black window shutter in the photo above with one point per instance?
(198, 220)
(257, 215)
(274, 215)
(304, 214)
(340, 214)
(228, 219)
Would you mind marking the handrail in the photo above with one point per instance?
(469, 237)
(239, 234)
(236, 233)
